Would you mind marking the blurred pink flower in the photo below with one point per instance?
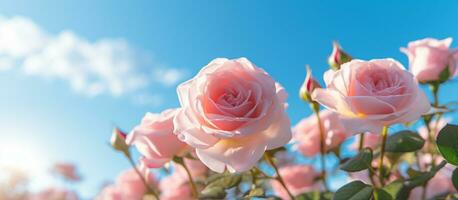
(67, 170)
(438, 185)
(128, 185)
(155, 140)
(55, 193)
(371, 94)
(306, 135)
(429, 57)
(232, 111)
(435, 126)
(196, 167)
(175, 187)
(298, 178)
(371, 140)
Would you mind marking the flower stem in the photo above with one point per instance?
(316, 110)
(361, 141)
(148, 186)
(278, 177)
(382, 154)
(181, 162)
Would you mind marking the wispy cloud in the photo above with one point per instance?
(106, 66)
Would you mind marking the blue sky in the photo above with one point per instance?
(58, 117)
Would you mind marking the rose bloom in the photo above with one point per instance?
(128, 185)
(371, 94)
(429, 57)
(174, 187)
(232, 111)
(307, 133)
(155, 140)
(298, 178)
(67, 171)
(55, 193)
(440, 184)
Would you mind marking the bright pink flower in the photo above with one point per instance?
(307, 133)
(174, 187)
(298, 178)
(155, 140)
(308, 86)
(429, 57)
(232, 111)
(440, 184)
(371, 94)
(128, 185)
(67, 171)
(55, 193)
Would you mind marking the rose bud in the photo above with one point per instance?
(338, 56)
(308, 86)
(118, 141)
(431, 59)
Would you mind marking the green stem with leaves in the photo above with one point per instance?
(361, 142)
(180, 161)
(382, 154)
(316, 110)
(279, 178)
(148, 186)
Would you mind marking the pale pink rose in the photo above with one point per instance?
(298, 178)
(128, 185)
(175, 187)
(55, 193)
(371, 94)
(429, 57)
(371, 140)
(306, 135)
(67, 171)
(155, 140)
(232, 111)
(440, 184)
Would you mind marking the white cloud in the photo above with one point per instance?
(106, 66)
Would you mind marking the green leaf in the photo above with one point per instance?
(392, 190)
(447, 143)
(255, 192)
(360, 162)
(225, 181)
(213, 193)
(382, 195)
(355, 190)
(455, 178)
(314, 195)
(404, 141)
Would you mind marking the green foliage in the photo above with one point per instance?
(447, 143)
(355, 190)
(455, 178)
(315, 195)
(217, 185)
(404, 141)
(215, 192)
(360, 162)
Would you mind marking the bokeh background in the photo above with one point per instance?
(72, 70)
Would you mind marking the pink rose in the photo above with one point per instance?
(155, 140)
(55, 193)
(371, 140)
(308, 86)
(128, 185)
(67, 171)
(429, 57)
(232, 111)
(298, 179)
(372, 94)
(174, 187)
(307, 133)
(440, 184)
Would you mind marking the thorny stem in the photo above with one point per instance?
(148, 186)
(278, 177)
(382, 154)
(316, 110)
